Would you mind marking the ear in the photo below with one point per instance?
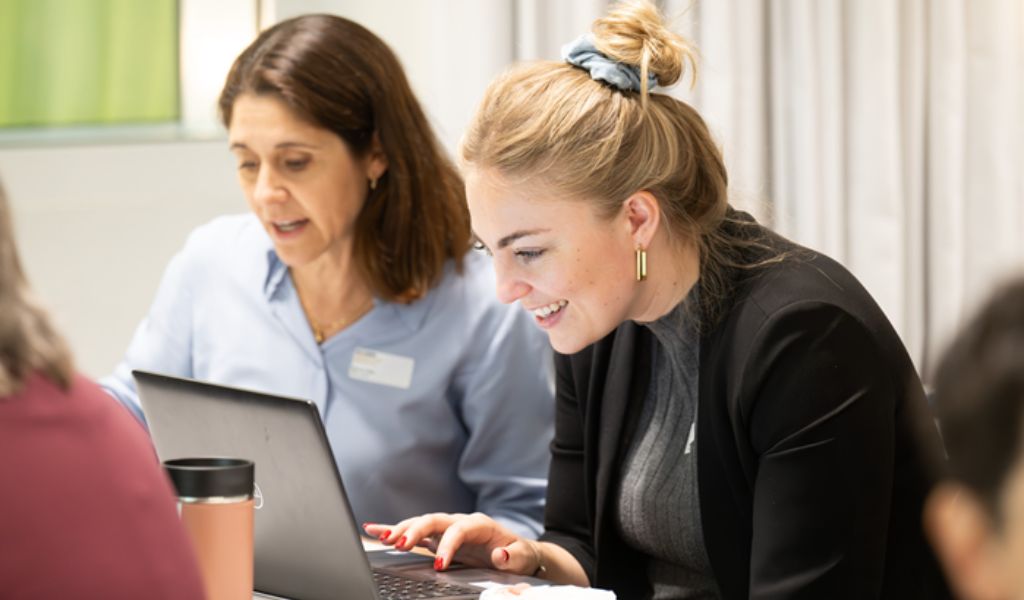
(376, 161)
(643, 217)
(965, 542)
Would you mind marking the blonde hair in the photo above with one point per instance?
(551, 122)
(28, 342)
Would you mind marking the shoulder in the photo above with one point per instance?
(86, 416)
(235, 232)
(233, 245)
(801, 281)
(785, 276)
(132, 520)
(463, 310)
(798, 311)
(471, 293)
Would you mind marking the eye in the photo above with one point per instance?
(296, 164)
(247, 165)
(529, 255)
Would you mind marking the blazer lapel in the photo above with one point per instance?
(628, 373)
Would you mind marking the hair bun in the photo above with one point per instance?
(634, 32)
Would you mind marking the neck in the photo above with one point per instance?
(673, 270)
(331, 290)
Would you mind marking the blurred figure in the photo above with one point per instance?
(351, 284)
(86, 511)
(975, 516)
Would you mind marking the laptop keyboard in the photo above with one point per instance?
(397, 587)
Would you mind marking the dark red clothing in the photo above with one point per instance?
(85, 509)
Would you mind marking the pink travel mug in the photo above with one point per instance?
(216, 505)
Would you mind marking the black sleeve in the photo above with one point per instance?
(820, 416)
(567, 521)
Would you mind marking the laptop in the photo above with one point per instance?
(307, 543)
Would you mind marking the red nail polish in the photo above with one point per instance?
(365, 525)
(401, 542)
(438, 563)
(505, 555)
(385, 535)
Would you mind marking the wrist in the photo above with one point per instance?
(538, 556)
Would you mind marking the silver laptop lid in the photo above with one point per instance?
(307, 544)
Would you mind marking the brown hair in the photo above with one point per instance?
(342, 77)
(979, 397)
(551, 121)
(28, 342)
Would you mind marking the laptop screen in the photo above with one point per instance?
(307, 544)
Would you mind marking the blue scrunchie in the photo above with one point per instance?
(583, 54)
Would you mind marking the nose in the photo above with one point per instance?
(268, 188)
(511, 286)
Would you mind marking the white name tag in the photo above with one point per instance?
(381, 368)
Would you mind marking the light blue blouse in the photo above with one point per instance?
(467, 430)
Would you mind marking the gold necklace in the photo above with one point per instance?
(320, 329)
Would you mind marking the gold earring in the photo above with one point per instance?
(641, 264)
(373, 183)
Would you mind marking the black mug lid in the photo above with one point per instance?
(211, 477)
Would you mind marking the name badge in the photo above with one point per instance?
(381, 368)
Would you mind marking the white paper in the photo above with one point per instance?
(547, 592)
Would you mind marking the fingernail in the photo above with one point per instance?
(365, 525)
(401, 542)
(438, 563)
(505, 555)
(385, 535)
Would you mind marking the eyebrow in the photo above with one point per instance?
(242, 146)
(508, 239)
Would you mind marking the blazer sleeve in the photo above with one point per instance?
(567, 518)
(819, 401)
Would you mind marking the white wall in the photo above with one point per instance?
(449, 79)
(97, 223)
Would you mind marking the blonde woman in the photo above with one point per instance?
(732, 409)
(86, 511)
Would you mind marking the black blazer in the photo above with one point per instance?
(810, 483)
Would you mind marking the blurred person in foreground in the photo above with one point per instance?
(975, 516)
(85, 509)
(734, 412)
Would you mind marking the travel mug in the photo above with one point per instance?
(216, 505)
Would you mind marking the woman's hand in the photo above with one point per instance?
(476, 540)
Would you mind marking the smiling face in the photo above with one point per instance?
(300, 180)
(572, 269)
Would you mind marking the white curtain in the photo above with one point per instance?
(888, 134)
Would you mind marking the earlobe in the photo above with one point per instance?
(377, 159)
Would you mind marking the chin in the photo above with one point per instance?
(291, 257)
(568, 346)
